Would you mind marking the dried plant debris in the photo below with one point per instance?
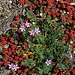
(3, 71)
(8, 9)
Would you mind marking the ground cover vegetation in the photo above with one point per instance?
(41, 39)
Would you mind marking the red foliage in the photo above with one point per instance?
(25, 70)
(11, 39)
(10, 59)
(20, 43)
(17, 18)
(73, 71)
(1, 44)
(9, 53)
(13, 23)
(5, 49)
(19, 71)
(40, 1)
(22, 2)
(6, 63)
(51, 2)
(55, 13)
(1, 62)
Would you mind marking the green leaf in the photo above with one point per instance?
(25, 5)
(16, 42)
(8, 34)
(16, 62)
(49, 73)
(59, 65)
(1, 48)
(23, 63)
(41, 56)
(33, 74)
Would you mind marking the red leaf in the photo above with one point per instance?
(1, 62)
(40, 1)
(73, 71)
(4, 42)
(22, 73)
(9, 53)
(25, 47)
(48, 9)
(6, 63)
(51, 2)
(25, 43)
(19, 71)
(11, 59)
(1, 44)
(20, 43)
(13, 46)
(12, 56)
(57, 14)
(11, 39)
(21, 2)
(25, 70)
(70, 1)
(25, 65)
(5, 49)
(17, 18)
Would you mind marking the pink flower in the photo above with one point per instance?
(48, 62)
(27, 24)
(37, 30)
(22, 28)
(57, 0)
(13, 67)
(32, 32)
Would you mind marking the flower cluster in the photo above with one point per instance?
(34, 32)
(22, 28)
(30, 54)
(13, 50)
(27, 24)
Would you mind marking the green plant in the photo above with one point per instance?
(46, 44)
(1, 49)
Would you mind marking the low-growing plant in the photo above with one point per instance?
(44, 40)
(38, 44)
